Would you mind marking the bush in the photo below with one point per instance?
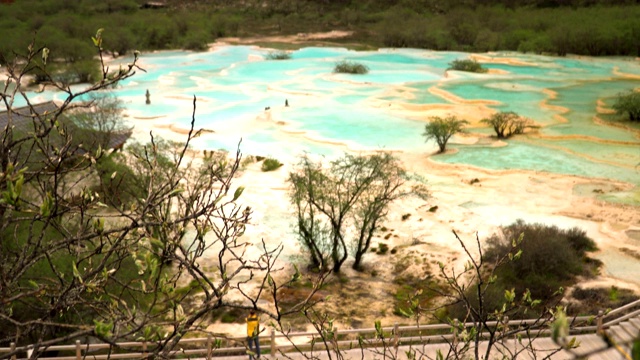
(196, 42)
(278, 55)
(349, 67)
(628, 104)
(382, 249)
(118, 185)
(466, 65)
(271, 164)
(506, 124)
(550, 256)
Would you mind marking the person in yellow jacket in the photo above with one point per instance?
(253, 330)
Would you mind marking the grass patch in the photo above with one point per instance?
(270, 165)
(467, 65)
(278, 55)
(590, 301)
(350, 67)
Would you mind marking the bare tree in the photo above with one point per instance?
(353, 193)
(74, 264)
(506, 124)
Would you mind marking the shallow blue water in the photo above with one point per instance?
(234, 85)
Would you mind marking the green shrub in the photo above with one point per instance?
(628, 104)
(466, 65)
(550, 256)
(382, 249)
(118, 185)
(196, 41)
(278, 55)
(271, 164)
(350, 67)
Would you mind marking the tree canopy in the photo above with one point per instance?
(339, 209)
(506, 124)
(442, 129)
(628, 104)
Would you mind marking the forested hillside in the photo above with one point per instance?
(586, 27)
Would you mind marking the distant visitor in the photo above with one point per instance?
(148, 95)
(253, 331)
(286, 102)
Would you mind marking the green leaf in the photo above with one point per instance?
(98, 225)
(296, 276)
(405, 313)
(76, 273)
(560, 327)
(45, 55)
(518, 254)
(510, 295)
(238, 192)
(102, 329)
(378, 326)
(47, 202)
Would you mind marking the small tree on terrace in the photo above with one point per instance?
(442, 129)
(628, 104)
(350, 197)
(506, 124)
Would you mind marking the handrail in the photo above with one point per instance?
(577, 326)
(623, 308)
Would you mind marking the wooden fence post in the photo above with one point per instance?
(455, 331)
(505, 325)
(78, 350)
(273, 343)
(456, 323)
(396, 336)
(144, 350)
(599, 321)
(13, 348)
(209, 345)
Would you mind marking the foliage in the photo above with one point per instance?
(278, 55)
(350, 67)
(550, 256)
(467, 65)
(110, 245)
(97, 121)
(442, 129)
(472, 289)
(558, 27)
(506, 124)
(628, 104)
(341, 207)
(196, 41)
(270, 164)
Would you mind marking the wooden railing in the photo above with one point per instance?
(211, 347)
